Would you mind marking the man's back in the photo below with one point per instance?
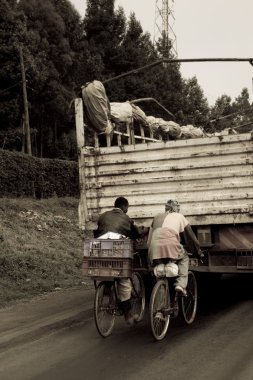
(173, 220)
(117, 221)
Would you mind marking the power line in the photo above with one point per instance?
(8, 88)
(177, 60)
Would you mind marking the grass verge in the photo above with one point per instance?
(41, 246)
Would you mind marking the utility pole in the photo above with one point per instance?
(26, 112)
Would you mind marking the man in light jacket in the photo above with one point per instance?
(164, 242)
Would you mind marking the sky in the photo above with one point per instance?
(204, 29)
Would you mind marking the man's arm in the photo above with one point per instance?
(150, 236)
(134, 234)
(192, 241)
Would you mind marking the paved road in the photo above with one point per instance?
(217, 346)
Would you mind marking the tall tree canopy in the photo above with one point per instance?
(62, 52)
(53, 28)
(10, 29)
(104, 29)
(194, 107)
(228, 114)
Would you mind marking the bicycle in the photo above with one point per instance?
(165, 303)
(106, 303)
(106, 261)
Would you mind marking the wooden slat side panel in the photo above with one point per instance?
(156, 188)
(166, 154)
(213, 179)
(119, 172)
(179, 144)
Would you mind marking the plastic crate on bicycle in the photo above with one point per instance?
(108, 258)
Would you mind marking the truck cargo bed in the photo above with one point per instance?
(211, 177)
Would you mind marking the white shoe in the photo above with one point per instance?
(159, 315)
(181, 290)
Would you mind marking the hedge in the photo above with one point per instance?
(24, 175)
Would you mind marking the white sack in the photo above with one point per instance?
(97, 106)
(121, 112)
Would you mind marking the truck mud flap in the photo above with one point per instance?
(245, 260)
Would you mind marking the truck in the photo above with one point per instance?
(211, 177)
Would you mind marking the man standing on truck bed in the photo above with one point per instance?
(164, 242)
(117, 220)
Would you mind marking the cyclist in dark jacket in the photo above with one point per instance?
(117, 220)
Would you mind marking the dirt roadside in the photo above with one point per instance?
(29, 320)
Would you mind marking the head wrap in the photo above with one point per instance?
(172, 206)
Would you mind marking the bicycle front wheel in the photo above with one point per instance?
(104, 308)
(138, 296)
(189, 303)
(159, 309)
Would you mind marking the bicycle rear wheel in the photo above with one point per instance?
(159, 309)
(104, 308)
(138, 296)
(189, 303)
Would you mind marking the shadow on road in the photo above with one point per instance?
(217, 293)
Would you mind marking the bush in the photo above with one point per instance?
(24, 175)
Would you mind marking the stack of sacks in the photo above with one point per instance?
(139, 115)
(225, 132)
(121, 112)
(126, 113)
(166, 270)
(191, 132)
(153, 125)
(169, 130)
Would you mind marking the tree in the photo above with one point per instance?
(9, 78)
(123, 47)
(104, 29)
(135, 51)
(54, 28)
(194, 107)
(12, 34)
(242, 101)
(220, 112)
(244, 111)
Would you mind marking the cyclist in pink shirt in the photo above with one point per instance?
(164, 242)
